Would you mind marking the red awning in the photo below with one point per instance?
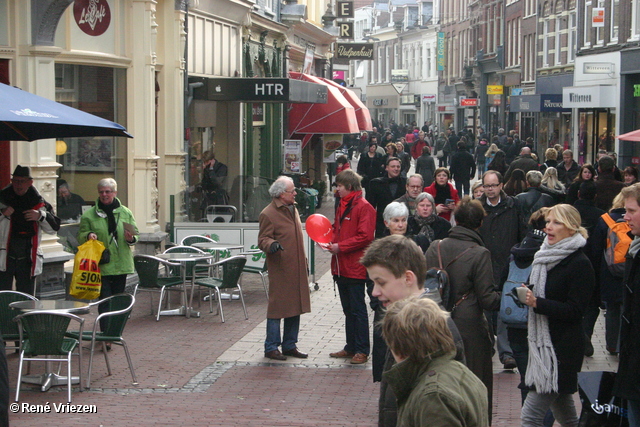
(362, 112)
(336, 116)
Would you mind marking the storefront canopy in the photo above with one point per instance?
(336, 116)
(362, 112)
(260, 90)
(630, 136)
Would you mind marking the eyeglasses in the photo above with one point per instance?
(105, 192)
(290, 192)
(489, 186)
(415, 186)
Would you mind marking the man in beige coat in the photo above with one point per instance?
(281, 239)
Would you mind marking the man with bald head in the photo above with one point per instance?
(524, 162)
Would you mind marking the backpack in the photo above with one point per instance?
(618, 241)
(512, 312)
(438, 279)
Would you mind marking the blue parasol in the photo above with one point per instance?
(27, 117)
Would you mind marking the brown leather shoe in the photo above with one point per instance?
(294, 352)
(275, 355)
(359, 358)
(342, 354)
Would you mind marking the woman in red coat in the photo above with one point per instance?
(445, 195)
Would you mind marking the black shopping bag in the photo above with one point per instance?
(599, 407)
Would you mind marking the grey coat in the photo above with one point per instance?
(471, 276)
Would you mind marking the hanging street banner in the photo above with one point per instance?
(440, 52)
(399, 79)
(354, 51)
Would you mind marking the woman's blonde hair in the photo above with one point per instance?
(568, 216)
(493, 149)
(550, 179)
(618, 202)
(551, 154)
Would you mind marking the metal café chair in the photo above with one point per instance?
(231, 272)
(43, 337)
(261, 271)
(118, 309)
(8, 328)
(198, 269)
(195, 238)
(150, 279)
(221, 213)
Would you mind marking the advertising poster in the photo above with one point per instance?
(292, 155)
(331, 142)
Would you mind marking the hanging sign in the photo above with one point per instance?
(292, 155)
(92, 16)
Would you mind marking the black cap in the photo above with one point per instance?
(22, 171)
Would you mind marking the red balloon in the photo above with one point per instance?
(319, 228)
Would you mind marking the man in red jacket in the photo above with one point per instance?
(353, 231)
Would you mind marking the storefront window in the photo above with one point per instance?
(85, 161)
(597, 130)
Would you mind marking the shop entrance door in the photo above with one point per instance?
(597, 130)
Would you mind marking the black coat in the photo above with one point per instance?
(500, 230)
(567, 176)
(463, 166)
(530, 201)
(426, 166)
(627, 383)
(380, 195)
(567, 293)
(440, 228)
(369, 168)
(524, 163)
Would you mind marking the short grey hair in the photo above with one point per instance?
(108, 182)
(427, 196)
(416, 175)
(534, 178)
(395, 210)
(279, 186)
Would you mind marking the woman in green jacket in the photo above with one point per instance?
(106, 222)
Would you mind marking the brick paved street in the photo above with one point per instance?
(203, 372)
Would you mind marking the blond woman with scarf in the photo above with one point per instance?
(563, 280)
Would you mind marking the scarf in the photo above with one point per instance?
(425, 225)
(111, 219)
(542, 370)
(634, 247)
(443, 192)
(344, 202)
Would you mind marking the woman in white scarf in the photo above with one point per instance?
(563, 280)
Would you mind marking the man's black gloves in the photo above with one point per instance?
(275, 247)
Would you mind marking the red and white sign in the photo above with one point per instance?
(635, 160)
(597, 17)
(92, 16)
(469, 102)
(429, 98)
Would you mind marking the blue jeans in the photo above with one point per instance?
(290, 335)
(355, 312)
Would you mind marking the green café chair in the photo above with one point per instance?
(150, 279)
(231, 272)
(119, 308)
(261, 271)
(8, 328)
(43, 337)
(194, 238)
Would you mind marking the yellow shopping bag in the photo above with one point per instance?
(86, 280)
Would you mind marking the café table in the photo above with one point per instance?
(50, 378)
(218, 248)
(184, 259)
